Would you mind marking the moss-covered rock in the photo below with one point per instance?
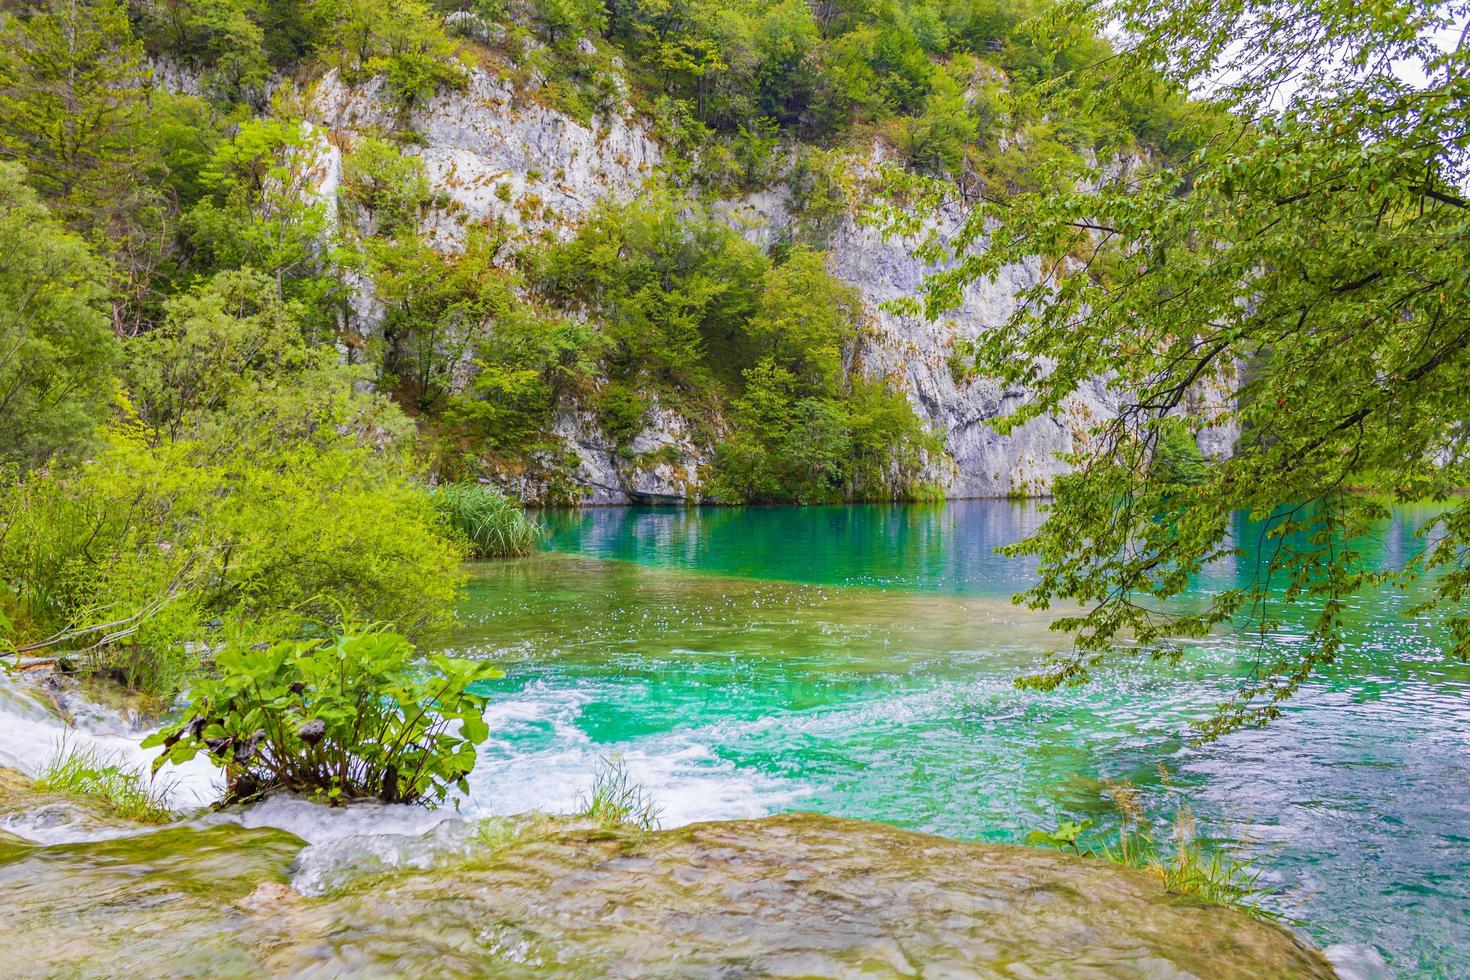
(788, 895)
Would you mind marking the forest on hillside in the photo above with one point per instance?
(205, 432)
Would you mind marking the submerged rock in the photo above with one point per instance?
(787, 895)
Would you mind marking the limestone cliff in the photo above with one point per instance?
(503, 156)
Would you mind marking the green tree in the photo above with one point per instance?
(436, 307)
(567, 20)
(806, 318)
(391, 189)
(219, 37)
(215, 342)
(262, 209)
(937, 140)
(72, 99)
(74, 109)
(402, 40)
(1300, 278)
(57, 348)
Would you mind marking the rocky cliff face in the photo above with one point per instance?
(919, 355)
(502, 156)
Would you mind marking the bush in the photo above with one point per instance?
(90, 774)
(494, 525)
(353, 717)
(149, 549)
(250, 485)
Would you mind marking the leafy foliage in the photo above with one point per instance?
(226, 39)
(71, 103)
(695, 313)
(259, 211)
(401, 40)
(355, 716)
(1298, 278)
(57, 348)
(252, 486)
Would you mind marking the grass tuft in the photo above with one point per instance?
(616, 801)
(123, 790)
(1182, 863)
(494, 525)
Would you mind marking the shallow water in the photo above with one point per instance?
(859, 661)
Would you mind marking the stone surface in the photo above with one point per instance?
(792, 895)
(499, 154)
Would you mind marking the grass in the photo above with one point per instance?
(1183, 864)
(616, 801)
(494, 525)
(92, 775)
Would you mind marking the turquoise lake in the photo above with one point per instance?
(859, 661)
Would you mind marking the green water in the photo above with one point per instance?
(858, 661)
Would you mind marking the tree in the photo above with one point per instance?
(567, 20)
(74, 110)
(806, 316)
(72, 99)
(219, 37)
(1300, 277)
(402, 40)
(57, 348)
(263, 209)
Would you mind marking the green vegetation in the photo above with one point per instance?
(654, 305)
(697, 316)
(1298, 278)
(356, 716)
(488, 519)
(243, 484)
(89, 774)
(228, 392)
(57, 348)
(615, 800)
(1183, 864)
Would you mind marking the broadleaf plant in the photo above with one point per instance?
(357, 716)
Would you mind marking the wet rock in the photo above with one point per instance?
(154, 904)
(788, 895)
(793, 895)
(269, 897)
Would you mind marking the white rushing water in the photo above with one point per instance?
(32, 734)
(689, 783)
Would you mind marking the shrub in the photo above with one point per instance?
(122, 790)
(250, 484)
(353, 717)
(494, 525)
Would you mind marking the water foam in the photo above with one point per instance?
(35, 735)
